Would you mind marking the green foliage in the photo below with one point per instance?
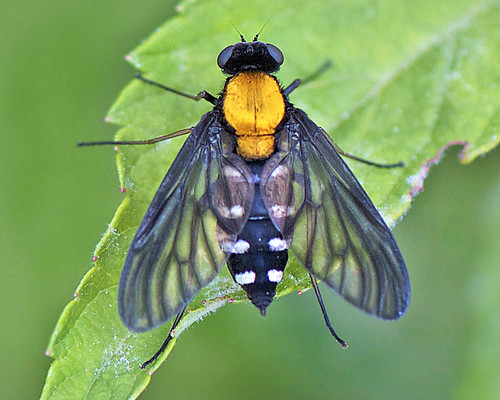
(409, 79)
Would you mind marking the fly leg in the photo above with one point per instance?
(167, 340)
(201, 95)
(325, 315)
(315, 75)
(367, 162)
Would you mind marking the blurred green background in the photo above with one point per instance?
(62, 67)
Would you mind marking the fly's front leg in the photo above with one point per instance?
(201, 95)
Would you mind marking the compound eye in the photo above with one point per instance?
(275, 53)
(224, 56)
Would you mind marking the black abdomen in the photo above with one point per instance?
(259, 256)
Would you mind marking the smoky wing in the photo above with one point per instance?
(337, 233)
(175, 251)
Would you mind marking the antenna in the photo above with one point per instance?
(261, 29)
(239, 33)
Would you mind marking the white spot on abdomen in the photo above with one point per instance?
(280, 211)
(277, 244)
(245, 278)
(235, 211)
(240, 247)
(274, 275)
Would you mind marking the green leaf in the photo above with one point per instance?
(409, 80)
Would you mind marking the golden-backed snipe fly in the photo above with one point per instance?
(254, 179)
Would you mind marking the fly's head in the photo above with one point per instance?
(250, 56)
